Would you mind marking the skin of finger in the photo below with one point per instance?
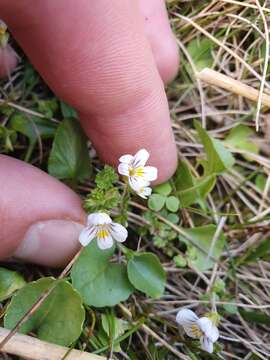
(161, 38)
(95, 55)
(29, 195)
(8, 61)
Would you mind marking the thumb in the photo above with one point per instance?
(41, 218)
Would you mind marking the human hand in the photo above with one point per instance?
(107, 59)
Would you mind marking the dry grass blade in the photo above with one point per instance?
(265, 67)
(215, 78)
(29, 347)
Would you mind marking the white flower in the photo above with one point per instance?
(198, 328)
(101, 227)
(139, 175)
(143, 191)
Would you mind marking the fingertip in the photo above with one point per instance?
(28, 197)
(168, 61)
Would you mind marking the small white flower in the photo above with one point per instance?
(139, 175)
(143, 191)
(101, 227)
(198, 328)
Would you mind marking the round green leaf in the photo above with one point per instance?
(163, 189)
(100, 282)
(156, 202)
(59, 319)
(172, 203)
(10, 281)
(146, 274)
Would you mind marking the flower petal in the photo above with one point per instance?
(186, 317)
(208, 328)
(87, 235)
(123, 169)
(98, 219)
(118, 232)
(105, 242)
(207, 344)
(137, 183)
(140, 158)
(126, 159)
(150, 173)
(145, 192)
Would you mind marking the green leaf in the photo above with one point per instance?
(199, 257)
(200, 51)
(180, 261)
(68, 111)
(100, 282)
(172, 203)
(260, 181)
(10, 281)
(114, 328)
(255, 317)
(163, 189)
(8, 139)
(156, 202)
(47, 107)
(59, 319)
(100, 200)
(219, 158)
(259, 252)
(239, 138)
(69, 158)
(106, 178)
(146, 274)
(32, 126)
(189, 189)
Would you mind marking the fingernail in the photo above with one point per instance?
(50, 242)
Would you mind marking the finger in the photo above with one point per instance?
(40, 217)
(95, 55)
(161, 38)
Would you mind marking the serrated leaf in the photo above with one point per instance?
(69, 158)
(10, 281)
(192, 190)
(156, 202)
(172, 203)
(199, 257)
(163, 189)
(100, 282)
(146, 274)
(219, 158)
(59, 319)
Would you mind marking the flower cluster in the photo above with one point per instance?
(139, 176)
(203, 328)
(100, 225)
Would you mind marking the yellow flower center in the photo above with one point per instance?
(102, 232)
(196, 331)
(136, 171)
